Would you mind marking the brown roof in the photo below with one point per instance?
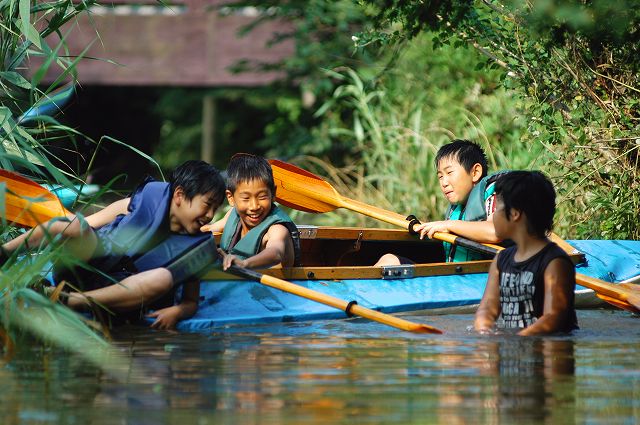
(188, 44)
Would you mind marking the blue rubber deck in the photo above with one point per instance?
(224, 302)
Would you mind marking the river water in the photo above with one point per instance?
(338, 372)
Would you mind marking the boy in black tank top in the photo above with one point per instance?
(531, 285)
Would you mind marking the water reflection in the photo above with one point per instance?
(526, 380)
(335, 372)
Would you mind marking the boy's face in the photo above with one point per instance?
(252, 200)
(455, 182)
(504, 224)
(500, 220)
(189, 215)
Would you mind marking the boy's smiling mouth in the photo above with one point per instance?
(254, 218)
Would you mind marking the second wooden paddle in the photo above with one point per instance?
(305, 191)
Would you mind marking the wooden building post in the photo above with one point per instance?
(208, 128)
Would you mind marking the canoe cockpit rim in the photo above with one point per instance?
(361, 234)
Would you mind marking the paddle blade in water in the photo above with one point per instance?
(26, 203)
(302, 190)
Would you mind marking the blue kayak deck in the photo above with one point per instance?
(236, 301)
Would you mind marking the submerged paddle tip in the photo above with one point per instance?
(426, 329)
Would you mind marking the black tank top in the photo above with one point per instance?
(522, 287)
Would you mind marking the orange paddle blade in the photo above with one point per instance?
(302, 190)
(27, 203)
(618, 303)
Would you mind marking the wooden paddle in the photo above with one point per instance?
(302, 190)
(28, 204)
(351, 308)
(305, 191)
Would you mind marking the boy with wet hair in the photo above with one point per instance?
(137, 242)
(255, 232)
(462, 174)
(531, 284)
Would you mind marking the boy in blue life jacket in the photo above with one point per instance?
(531, 285)
(462, 174)
(255, 232)
(136, 242)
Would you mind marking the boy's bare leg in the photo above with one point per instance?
(131, 293)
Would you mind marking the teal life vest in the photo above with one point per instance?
(473, 210)
(249, 245)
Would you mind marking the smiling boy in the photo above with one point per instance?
(255, 232)
(114, 239)
(462, 174)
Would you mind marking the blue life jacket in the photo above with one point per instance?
(142, 239)
(145, 226)
(249, 245)
(472, 210)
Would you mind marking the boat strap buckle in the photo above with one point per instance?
(413, 220)
(404, 271)
(348, 308)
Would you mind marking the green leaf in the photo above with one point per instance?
(28, 30)
(15, 79)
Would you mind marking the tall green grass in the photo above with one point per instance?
(32, 46)
(395, 124)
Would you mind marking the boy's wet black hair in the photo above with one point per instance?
(198, 178)
(466, 152)
(244, 167)
(532, 193)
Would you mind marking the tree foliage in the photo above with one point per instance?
(576, 63)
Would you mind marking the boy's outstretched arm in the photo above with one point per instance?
(489, 308)
(558, 292)
(218, 226)
(480, 231)
(168, 317)
(69, 229)
(108, 213)
(277, 245)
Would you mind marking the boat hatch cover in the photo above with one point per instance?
(307, 232)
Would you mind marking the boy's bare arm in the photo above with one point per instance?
(480, 231)
(276, 241)
(167, 318)
(558, 293)
(70, 229)
(108, 213)
(218, 226)
(489, 308)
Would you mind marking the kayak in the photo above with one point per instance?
(337, 261)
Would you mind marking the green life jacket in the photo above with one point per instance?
(249, 245)
(472, 210)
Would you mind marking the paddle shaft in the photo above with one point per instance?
(404, 222)
(347, 307)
